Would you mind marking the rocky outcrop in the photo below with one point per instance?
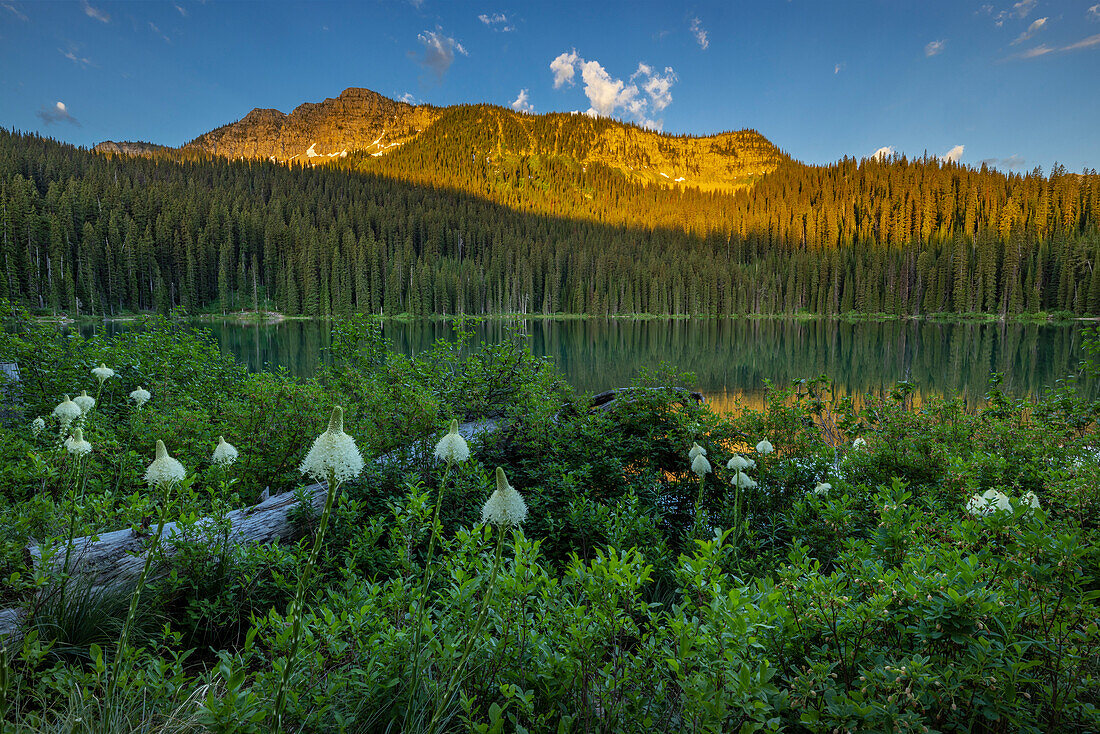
(129, 147)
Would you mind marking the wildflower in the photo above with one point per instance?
(988, 502)
(103, 373)
(66, 412)
(859, 443)
(765, 447)
(505, 505)
(140, 396)
(823, 488)
(224, 453)
(741, 480)
(76, 445)
(333, 454)
(38, 425)
(738, 463)
(164, 470)
(85, 402)
(1030, 500)
(452, 447)
(700, 465)
(696, 451)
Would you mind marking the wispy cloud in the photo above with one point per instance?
(1043, 49)
(10, 7)
(153, 27)
(1093, 13)
(886, 152)
(645, 93)
(700, 33)
(407, 98)
(934, 47)
(953, 155)
(522, 103)
(1019, 10)
(497, 21)
(93, 12)
(1013, 162)
(72, 55)
(838, 68)
(182, 10)
(439, 51)
(1035, 27)
(58, 113)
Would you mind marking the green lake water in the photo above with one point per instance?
(731, 358)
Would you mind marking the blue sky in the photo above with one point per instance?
(1016, 83)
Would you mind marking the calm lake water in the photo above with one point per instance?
(730, 358)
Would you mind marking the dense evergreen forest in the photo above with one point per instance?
(441, 230)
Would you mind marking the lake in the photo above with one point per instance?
(730, 358)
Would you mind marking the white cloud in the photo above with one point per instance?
(1032, 29)
(497, 21)
(700, 33)
(1093, 13)
(1022, 8)
(407, 98)
(94, 12)
(646, 92)
(522, 103)
(564, 69)
(1083, 43)
(838, 68)
(58, 113)
(71, 55)
(153, 27)
(1013, 162)
(934, 47)
(1043, 49)
(953, 155)
(182, 10)
(439, 51)
(14, 10)
(884, 153)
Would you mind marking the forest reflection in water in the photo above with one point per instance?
(730, 358)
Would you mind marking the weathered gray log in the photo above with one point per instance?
(115, 559)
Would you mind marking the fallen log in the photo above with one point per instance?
(115, 559)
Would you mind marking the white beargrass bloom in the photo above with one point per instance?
(1030, 500)
(859, 443)
(988, 503)
(140, 396)
(452, 447)
(700, 465)
(76, 445)
(765, 447)
(696, 451)
(738, 463)
(38, 425)
(823, 488)
(164, 470)
(333, 453)
(66, 412)
(85, 401)
(103, 373)
(741, 480)
(505, 505)
(224, 453)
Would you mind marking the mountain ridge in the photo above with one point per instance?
(367, 126)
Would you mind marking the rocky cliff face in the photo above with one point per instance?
(357, 120)
(127, 147)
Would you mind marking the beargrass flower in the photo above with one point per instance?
(696, 451)
(452, 447)
(505, 505)
(103, 373)
(66, 412)
(1030, 500)
(988, 502)
(224, 453)
(76, 445)
(741, 480)
(85, 401)
(738, 463)
(334, 454)
(164, 470)
(859, 443)
(38, 425)
(700, 465)
(765, 447)
(140, 396)
(823, 488)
